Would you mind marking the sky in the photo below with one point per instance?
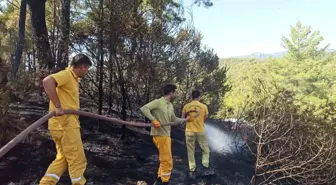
(241, 27)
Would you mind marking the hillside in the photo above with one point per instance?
(112, 161)
(259, 55)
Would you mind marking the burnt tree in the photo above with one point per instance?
(101, 58)
(63, 47)
(21, 39)
(40, 33)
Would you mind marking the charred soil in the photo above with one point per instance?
(112, 161)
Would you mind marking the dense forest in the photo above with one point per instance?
(137, 46)
(290, 103)
(306, 72)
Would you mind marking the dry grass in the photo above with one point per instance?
(290, 147)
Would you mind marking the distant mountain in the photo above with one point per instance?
(259, 55)
(330, 50)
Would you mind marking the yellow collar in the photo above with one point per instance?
(73, 73)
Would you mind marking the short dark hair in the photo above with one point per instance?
(169, 88)
(80, 59)
(195, 94)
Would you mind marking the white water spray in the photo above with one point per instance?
(220, 141)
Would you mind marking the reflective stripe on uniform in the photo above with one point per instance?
(166, 174)
(76, 179)
(52, 175)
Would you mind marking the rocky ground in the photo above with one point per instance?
(112, 161)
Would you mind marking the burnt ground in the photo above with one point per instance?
(112, 161)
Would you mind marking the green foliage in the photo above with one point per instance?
(306, 71)
(302, 43)
(242, 76)
(203, 73)
(139, 45)
(289, 146)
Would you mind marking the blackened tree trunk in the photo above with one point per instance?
(110, 80)
(123, 105)
(63, 47)
(112, 51)
(101, 61)
(124, 95)
(40, 33)
(21, 39)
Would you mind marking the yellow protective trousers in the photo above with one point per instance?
(163, 144)
(202, 140)
(70, 154)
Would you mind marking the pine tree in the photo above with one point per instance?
(302, 43)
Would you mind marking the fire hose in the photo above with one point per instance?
(45, 118)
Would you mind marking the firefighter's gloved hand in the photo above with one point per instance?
(190, 118)
(156, 123)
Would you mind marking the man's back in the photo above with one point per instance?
(68, 93)
(197, 125)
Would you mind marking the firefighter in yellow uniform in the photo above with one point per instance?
(63, 90)
(162, 111)
(195, 131)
